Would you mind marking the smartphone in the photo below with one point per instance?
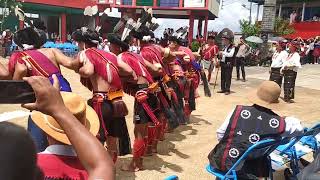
(16, 92)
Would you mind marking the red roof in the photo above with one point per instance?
(305, 30)
(80, 4)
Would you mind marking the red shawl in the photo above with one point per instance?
(105, 65)
(136, 62)
(209, 53)
(152, 53)
(187, 51)
(41, 64)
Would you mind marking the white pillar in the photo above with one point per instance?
(303, 11)
(280, 9)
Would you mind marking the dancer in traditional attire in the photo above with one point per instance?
(159, 57)
(33, 60)
(210, 52)
(247, 125)
(289, 69)
(146, 107)
(100, 73)
(277, 62)
(187, 74)
(227, 62)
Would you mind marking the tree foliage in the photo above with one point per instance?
(248, 29)
(282, 27)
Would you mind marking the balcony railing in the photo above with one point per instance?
(158, 4)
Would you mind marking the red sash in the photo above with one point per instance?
(135, 61)
(104, 67)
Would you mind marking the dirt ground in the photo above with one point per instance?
(184, 152)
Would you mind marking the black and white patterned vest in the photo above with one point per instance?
(248, 125)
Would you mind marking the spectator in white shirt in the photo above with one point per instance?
(277, 62)
(289, 69)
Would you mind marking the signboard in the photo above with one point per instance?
(194, 3)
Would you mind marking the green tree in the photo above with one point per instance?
(282, 27)
(248, 29)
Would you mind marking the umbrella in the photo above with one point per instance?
(254, 39)
(278, 39)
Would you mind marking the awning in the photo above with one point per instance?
(305, 30)
(49, 10)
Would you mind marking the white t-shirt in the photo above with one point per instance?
(278, 58)
(293, 61)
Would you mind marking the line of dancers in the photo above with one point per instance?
(162, 80)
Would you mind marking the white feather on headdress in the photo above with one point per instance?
(128, 28)
(120, 24)
(19, 13)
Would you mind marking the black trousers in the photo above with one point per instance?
(240, 64)
(276, 76)
(289, 84)
(226, 75)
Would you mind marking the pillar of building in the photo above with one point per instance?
(180, 3)
(303, 11)
(200, 26)
(191, 26)
(205, 32)
(63, 26)
(280, 9)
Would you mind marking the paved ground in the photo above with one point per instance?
(185, 151)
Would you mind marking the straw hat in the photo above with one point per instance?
(266, 95)
(77, 106)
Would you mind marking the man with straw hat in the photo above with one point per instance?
(68, 120)
(246, 125)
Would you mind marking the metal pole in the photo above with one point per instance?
(303, 11)
(250, 12)
(280, 9)
(258, 10)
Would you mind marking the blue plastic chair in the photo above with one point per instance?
(173, 177)
(307, 138)
(49, 44)
(268, 145)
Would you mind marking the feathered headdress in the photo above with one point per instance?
(31, 36)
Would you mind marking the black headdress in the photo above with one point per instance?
(180, 35)
(31, 36)
(87, 36)
(115, 39)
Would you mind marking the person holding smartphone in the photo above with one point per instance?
(33, 60)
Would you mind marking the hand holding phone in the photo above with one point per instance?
(16, 92)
